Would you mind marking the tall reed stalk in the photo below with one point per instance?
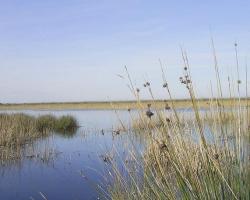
(205, 156)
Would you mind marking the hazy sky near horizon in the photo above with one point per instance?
(65, 50)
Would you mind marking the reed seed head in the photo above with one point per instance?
(162, 146)
(167, 107)
(165, 85)
(149, 113)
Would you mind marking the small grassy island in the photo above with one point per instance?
(18, 129)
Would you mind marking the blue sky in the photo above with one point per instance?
(65, 50)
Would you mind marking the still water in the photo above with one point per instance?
(71, 167)
(74, 166)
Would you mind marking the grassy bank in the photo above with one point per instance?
(179, 103)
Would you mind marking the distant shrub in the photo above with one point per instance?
(66, 124)
(46, 123)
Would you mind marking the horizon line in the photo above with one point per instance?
(123, 101)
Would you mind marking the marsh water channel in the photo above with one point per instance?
(68, 166)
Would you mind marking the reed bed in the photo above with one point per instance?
(18, 131)
(202, 156)
(164, 119)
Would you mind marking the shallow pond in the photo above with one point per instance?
(74, 166)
